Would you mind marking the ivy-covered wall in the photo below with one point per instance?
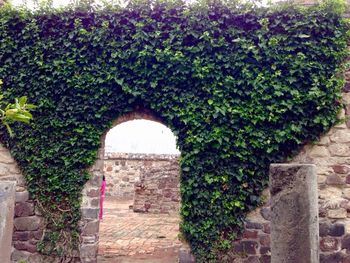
(239, 89)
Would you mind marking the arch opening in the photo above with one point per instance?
(140, 207)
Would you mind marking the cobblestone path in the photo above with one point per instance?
(126, 236)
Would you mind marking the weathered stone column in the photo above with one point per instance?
(294, 213)
(7, 207)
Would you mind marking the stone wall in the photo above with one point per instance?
(123, 170)
(331, 155)
(158, 190)
(28, 225)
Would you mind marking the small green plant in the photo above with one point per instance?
(15, 112)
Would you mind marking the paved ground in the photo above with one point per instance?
(128, 237)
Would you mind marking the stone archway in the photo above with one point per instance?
(90, 224)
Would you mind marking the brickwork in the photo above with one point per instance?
(158, 190)
(123, 170)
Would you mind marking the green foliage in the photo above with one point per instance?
(15, 112)
(240, 89)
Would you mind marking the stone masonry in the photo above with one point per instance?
(123, 170)
(158, 190)
(28, 225)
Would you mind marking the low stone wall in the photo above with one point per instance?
(158, 190)
(123, 170)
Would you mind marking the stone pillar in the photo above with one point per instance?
(7, 206)
(294, 213)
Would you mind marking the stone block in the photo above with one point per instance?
(266, 228)
(346, 193)
(88, 250)
(319, 151)
(336, 230)
(294, 213)
(337, 213)
(341, 168)
(250, 233)
(22, 196)
(5, 157)
(264, 240)
(340, 136)
(185, 256)
(265, 250)
(90, 213)
(18, 255)
(93, 192)
(252, 259)
(324, 140)
(24, 209)
(37, 234)
(28, 223)
(334, 179)
(21, 235)
(345, 244)
(328, 244)
(7, 203)
(341, 150)
(25, 245)
(253, 225)
(249, 247)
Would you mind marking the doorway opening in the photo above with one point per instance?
(140, 214)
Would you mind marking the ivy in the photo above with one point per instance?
(240, 89)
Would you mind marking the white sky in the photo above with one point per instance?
(141, 136)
